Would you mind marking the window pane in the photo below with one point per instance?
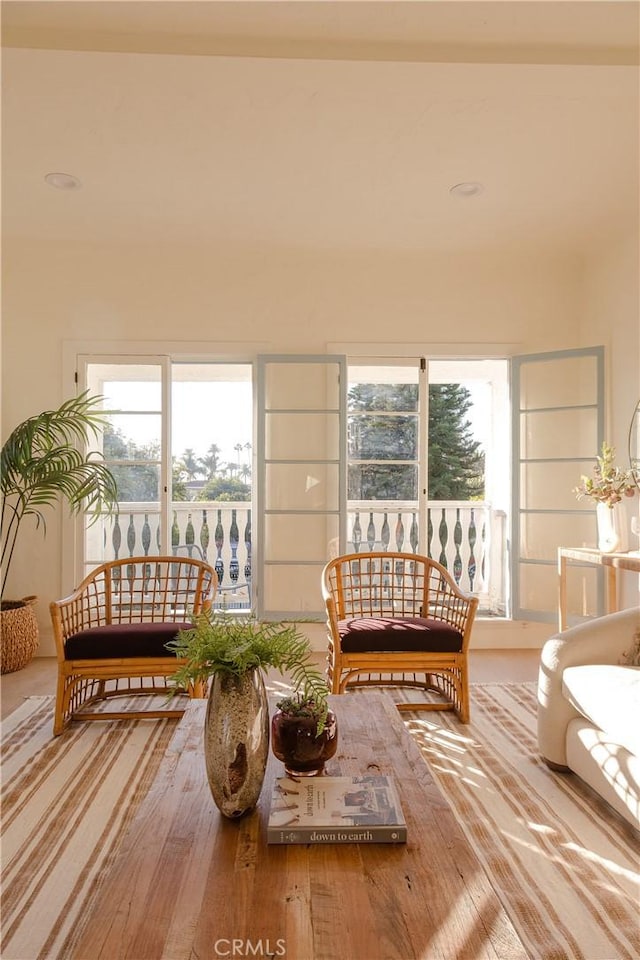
(302, 386)
(383, 437)
(392, 397)
(538, 587)
(295, 587)
(557, 433)
(540, 534)
(542, 387)
(300, 537)
(135, 386)
(137, 482)
(549, 486)
(456, 460)
(211, 431)
(301, 436)
(295, 486)
(383, 424)
(212, 460)
(374, 481)
(133, 437)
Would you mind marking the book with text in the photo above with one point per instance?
(336, 810)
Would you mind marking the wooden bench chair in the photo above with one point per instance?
(398, 619)
(110, 634)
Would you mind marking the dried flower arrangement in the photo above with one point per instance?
(609, 483)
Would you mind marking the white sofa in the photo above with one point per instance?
(589, 708)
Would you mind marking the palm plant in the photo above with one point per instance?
(41, 462)
(209, 462)
(190, 464)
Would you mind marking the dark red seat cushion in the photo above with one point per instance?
(122, 640)
(378, 634)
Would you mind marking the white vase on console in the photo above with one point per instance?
(635, 529)
(612, 528)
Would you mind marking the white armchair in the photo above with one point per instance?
(589, 708)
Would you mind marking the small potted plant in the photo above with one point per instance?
(234, 652)
(304, 733)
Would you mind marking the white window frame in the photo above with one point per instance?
(76, 353)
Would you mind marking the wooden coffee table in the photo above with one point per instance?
(188, 883)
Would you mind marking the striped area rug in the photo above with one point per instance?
(66, 804)
(565, 866)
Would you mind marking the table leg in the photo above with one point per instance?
(611, 589)
(562, 592)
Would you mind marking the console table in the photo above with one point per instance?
(189, 883)
(612, 562)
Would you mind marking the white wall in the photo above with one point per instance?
(610, 314)
(295, 302)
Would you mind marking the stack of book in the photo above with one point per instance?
(336, 810)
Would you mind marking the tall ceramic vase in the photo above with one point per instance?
(612, 530)
(236, 741)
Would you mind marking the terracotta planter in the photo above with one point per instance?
(295, 741)
(19, 633)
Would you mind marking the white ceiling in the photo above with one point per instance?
(322, 124)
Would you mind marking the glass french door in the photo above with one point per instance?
(179, 442)
(428, 466)
(316, 465)
(135, 445)
(302, 492)
(386, 466)
(558, 428)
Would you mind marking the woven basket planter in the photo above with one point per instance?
(19, 632)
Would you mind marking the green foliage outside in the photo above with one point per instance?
(138, 477)
(225, 488)
(383, 426)
(456, 462)
(178, 488)
(383, 453)
(135, 481)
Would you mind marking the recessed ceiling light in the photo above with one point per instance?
(470, 188)
(63, 181)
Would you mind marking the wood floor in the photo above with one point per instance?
(177, 906)
(38, 678)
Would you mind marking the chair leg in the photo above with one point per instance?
(334, 669)
(463, 688)
(59, 721)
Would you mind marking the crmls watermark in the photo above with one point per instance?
(250, 948)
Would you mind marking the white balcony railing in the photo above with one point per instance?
(468, 538)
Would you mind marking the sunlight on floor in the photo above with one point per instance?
(557, 855)
(540, 828)
(592, 857)
(447, 752)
